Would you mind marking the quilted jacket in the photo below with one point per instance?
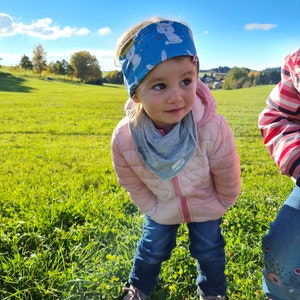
(279, 121)
(207, 186)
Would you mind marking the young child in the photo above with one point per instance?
(174, 155)
(279, 123)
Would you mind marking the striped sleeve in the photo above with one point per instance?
(279, 122)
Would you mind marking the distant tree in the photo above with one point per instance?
(275, 77)
(253, 77)
(39, 59)
(50, 68)
(264, 77)
(86, 67)
(221, 69)
(26, 63)
(115, 77)
(270, 76)
(56, 67)
(70, 71)
(240, 83)
(235, 78)
(63, 69)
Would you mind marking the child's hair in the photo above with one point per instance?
(126, 38)
(123, 42)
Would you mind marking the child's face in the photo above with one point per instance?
(168, 92)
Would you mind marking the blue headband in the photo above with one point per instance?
(152, 45)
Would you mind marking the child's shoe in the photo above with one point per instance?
(133, 294)
(212, 298)
(203, 297)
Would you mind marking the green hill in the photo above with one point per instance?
(68, 231)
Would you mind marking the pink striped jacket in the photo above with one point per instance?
(279, 122)
(203, 191)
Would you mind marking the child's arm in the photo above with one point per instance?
(225, 165)
(142, 197)
(279, 122)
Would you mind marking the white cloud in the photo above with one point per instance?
(42, 28)
(258, 26)
(205, 32)
(104, 31)
(6, 25)
(82, 31)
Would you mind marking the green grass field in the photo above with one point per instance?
(68, 231)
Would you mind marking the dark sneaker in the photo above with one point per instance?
(212, 298)
(133, 294)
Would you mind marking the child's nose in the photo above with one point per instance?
(175, 95)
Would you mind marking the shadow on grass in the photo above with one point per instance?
(114, 86)
(9, 83)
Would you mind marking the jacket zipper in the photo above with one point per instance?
(183, 201)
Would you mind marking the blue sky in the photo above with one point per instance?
(255, 34)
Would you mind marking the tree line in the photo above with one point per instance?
(236, 78)
(83, 66)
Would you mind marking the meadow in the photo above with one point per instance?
(68, 231)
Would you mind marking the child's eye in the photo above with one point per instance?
(185, 82)
(159, 86)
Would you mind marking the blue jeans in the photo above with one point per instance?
(206, 246)
(281, 244)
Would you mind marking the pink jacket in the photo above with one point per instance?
(203, 191)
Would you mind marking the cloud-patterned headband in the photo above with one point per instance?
(153, 44)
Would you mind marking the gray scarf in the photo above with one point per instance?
(166, 156)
